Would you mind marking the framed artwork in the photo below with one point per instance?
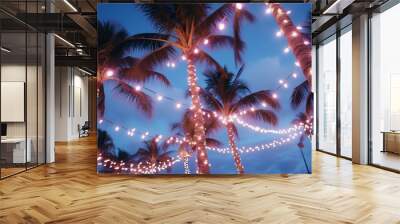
(204, 88)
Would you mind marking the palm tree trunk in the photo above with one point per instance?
(199, 132)
(301, 51)
(235, 152)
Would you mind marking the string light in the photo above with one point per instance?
(159, 97)
(294, 34)
(138, 88)
(306, 43)
(274, 95)
(178, 105)
(239, 6)
(278, 33)
(205, 42)
(260, 147)
(261, 130)
(299, 27)
(140, 168)
(196, 51)
(116, 128)
(183, 58)
(268, 10)
(286, 50)
(109, 73)
(294, 75)
(221, 26)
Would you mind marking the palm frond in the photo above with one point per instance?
(310, 104)
(266, 116)
(254, 99)
(210, 100)
(156, 58)
(204, 58)
(299, 93)
(144, 42)
(210, 23)
(162, 16)
(212, 142)
(238, 44)
(101, 100)
(138, 75)
(142, 100)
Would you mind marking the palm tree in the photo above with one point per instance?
(182, 29)
(105, 144)
(298, 42)
(153, 154)
(226, 94)
(306, 120)
(111, 58)
(186, 129)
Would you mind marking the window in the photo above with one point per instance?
(385, 89)
(327, 96)
(346, 93)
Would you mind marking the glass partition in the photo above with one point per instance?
(327, 95)
(22, 77)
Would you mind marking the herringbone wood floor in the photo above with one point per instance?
(70, 191)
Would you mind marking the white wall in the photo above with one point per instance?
(71, 102)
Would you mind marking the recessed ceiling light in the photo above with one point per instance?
(70, 5)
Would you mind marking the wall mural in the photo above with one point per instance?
(204, 88)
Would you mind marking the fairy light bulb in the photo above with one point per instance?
(288, 12)
(109, 73)
(263, 104)
(196, 51)
(279, 33)
(138, 88)
(285, 21)
(178, 105)
(285, 85)
(173, 65)
(183, 58)
(280, 81)
(297, 64)
(274, 95)
(221, 26)
(306, 43)
(294, 75)
(205, 42)
(286, 50)
(294, 34)
(239, 6)
(100, 121)
(159, 97)
(168, 64)
(268, 10)
(299, 27)
(116, 128)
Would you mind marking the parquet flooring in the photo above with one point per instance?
(70, 191)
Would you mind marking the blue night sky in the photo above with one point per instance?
(265, 64)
